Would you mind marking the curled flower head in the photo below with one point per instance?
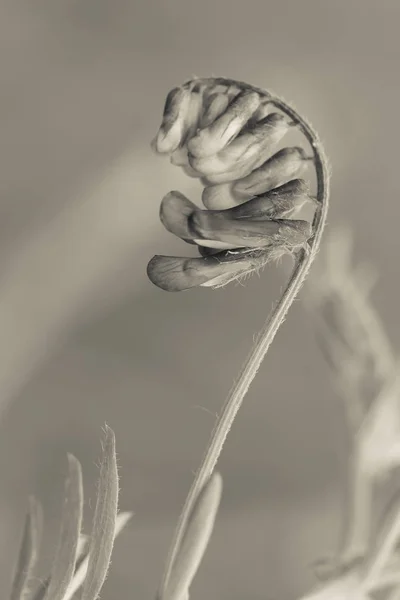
(226, 133)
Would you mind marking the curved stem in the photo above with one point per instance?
(264, 338)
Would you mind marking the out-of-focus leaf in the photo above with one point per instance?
(81, 553)
(29, 550)
(71, 522)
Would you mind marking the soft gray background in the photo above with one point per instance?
(82, 88)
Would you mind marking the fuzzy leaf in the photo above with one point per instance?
(103, 529)
(71, 521)
(82, 565)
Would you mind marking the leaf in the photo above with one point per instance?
(103, 529)
(81, 553)
(71, 522)
(29, 550)
(195, 540)
(82, 566)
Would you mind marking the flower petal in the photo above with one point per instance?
(260, 114)
(215, 229)
(174, 273)
(275, 204)
(175, 210)
(172, 127)
(193, 115)
(220, 196)
(179, 157)
(209, 228)
(277, 170)
(247, 150)
(215, 106)
(214, 138)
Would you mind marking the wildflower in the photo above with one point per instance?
(224, 133)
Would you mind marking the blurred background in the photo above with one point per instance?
(86, 339)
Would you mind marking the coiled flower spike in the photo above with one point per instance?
(223, 132)
(226, 133)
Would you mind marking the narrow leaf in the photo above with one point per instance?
(71, 521)
(195, 540)
(80, 555)
(29, 550)
(82, 565)
(103, 529)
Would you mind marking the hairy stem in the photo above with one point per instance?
(263, 341)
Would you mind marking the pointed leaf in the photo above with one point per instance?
(71, 522)
(82, 565)
(103, 530)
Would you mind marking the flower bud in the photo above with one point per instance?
(214, 138)
(179, 158)
(193, 115)
(246, 153)
(283, 166)
(219, 197)
(175, 210)
(260, 114)
(182, 111)
(215, 106)
(275, 204)
(174, 274)
(240, 157)
(172, 127)
(190, 172)
(218, 230)
(213, 229)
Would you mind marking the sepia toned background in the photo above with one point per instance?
(86, 339)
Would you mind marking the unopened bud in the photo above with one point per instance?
(214, 138)
(260, 114)
(172, 127)
(240, 157)
(275, 204)
(174, 274)
(182, 111)
(219, 197)
(175, 210)
(217, 228)
(214, 106)
(193, 115)
(179, 158)
(246, 153)
(280, 168)
(190, 172)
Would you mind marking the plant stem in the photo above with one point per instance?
(262, 343)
